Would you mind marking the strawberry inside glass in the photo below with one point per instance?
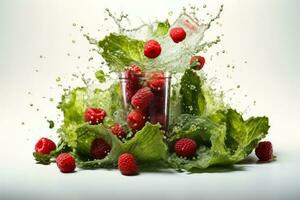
(145, 97)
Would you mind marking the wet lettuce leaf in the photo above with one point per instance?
(75, 102)
(148, 144)
(86, 134)
(161, 29)
(193, 100)
(231, 139)
(120, 51)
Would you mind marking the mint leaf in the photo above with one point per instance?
(193, 100)
(162, 29)
(148, 145)
(119, 51)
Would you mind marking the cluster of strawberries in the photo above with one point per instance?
(66, 162)
(146, 93)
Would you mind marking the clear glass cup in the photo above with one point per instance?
(146, 95)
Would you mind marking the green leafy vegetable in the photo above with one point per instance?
(51, 124)
(193, 100)
(119, 51)
(86, 134)
(162, 29)
(74, 104)
(231, 139)
(147, 145)
(100, 75)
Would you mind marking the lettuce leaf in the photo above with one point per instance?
(148, 145)
(119, 51)
(231, 139)
(193, 100)
(162, 29)
(86, 134)
(75, 102)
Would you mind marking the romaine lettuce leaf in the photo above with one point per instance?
(193, 100)
(231, 139)
(75, 102)
(148, 145)
(86, 134)
(119, 51)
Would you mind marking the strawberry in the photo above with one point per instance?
(94, 115)
(264, 151)
(127, 164)
(66, 163)
(185, 147)
(177, 34)
(201, 61)
(136, 120)
(156, 81)
(158, 118)
(118, 131)
(142, 99)
(152, 49)
(132, 75)
(100, 148)
(44, 146)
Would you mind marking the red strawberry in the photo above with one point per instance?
(136, 120)
(94, 115)
(156, 81)
(158, 118)
(185, 147)
(127, 164)
(200, 59)
(177, 34)
(158, 104)
(100, 148)
(44, 146)
(152, 49)
(66, 163)
(117, 130)
(142, 99)
(132, 75)
(264, 151)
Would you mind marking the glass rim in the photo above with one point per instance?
(167, 75)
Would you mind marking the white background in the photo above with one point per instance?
(263, 33)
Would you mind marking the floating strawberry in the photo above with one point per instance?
(177, 34)
(152, 49)
(94, 115)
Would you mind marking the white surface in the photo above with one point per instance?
(265, 33)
